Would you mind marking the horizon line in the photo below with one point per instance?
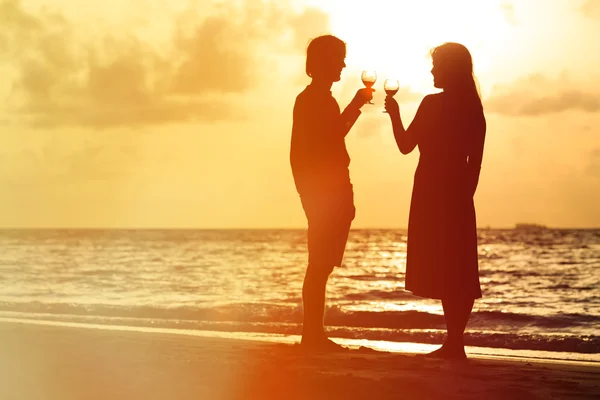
(487, 227)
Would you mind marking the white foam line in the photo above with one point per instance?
(394, 347)
(144, 329)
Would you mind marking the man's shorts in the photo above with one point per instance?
(329, 220)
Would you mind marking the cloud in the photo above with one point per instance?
(537, 95)
(58, 160)
(508, 10)
(225, 52)
(406, 95)
(121, 80)
(593, 168)
(369, 125)
(591, 9)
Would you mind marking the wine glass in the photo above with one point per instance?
(368, 78)
(391, 87)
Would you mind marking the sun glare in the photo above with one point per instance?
(395, 37)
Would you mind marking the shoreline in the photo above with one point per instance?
(72, 362)
(375, 345)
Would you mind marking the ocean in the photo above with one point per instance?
(541, 287)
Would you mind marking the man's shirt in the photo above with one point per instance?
(318, 155)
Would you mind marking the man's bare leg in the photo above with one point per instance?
(313, 300)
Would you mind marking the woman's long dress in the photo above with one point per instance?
(442, 236)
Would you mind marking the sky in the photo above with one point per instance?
(177, 114)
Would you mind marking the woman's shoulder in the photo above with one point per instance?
(437, 95)
(432, 98)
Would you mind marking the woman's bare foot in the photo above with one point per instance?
(447, 352)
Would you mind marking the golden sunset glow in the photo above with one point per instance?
(154, 245)
(396, 37)
(178, 114)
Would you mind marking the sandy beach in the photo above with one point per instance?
(50, 362)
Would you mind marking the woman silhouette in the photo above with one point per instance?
(449, 129)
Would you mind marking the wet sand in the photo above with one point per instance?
(51, 362)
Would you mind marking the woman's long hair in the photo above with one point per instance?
(456, 62)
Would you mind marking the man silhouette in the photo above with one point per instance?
(320, 163)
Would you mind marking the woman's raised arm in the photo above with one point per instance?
(407, 139)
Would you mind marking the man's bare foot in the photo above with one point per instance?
(322, 345)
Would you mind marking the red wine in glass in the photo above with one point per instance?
(369, 77)
(391, 87)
